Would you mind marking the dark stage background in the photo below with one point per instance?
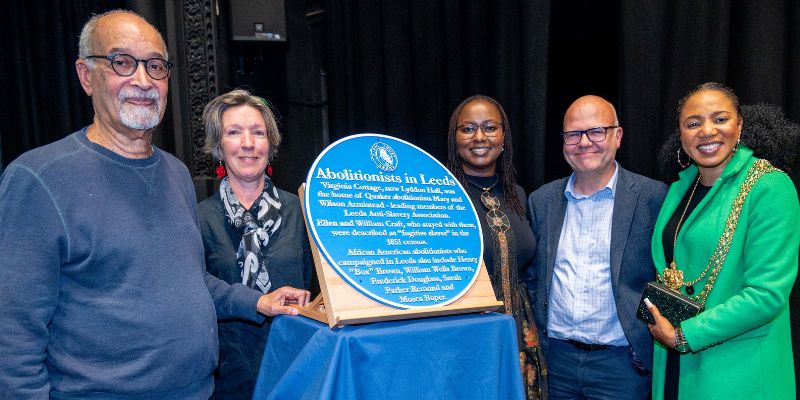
(399, 67)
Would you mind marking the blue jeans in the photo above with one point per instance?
(597, 374)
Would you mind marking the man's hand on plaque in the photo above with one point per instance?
(281, 301)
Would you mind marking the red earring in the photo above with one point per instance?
(269, 170)
(221, 172)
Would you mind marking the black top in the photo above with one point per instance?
(525, 241)
(241, 343)
(668, 240)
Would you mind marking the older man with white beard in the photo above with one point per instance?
(103, 290)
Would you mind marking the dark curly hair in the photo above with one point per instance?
(765, 130)
(505, 165)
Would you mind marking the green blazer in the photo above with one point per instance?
(741, 344)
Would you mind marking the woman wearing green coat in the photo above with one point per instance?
(740, 346)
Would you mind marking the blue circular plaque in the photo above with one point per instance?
(393, 221)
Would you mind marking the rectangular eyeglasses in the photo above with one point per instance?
(595, 135)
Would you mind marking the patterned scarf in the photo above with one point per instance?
(256, 226)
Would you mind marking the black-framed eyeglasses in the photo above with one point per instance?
(489, 129)
(126, 64)
(595, 135)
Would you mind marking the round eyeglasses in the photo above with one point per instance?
(489, 129)
(595, 135)
(126, 64)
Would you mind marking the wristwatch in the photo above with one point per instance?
(681, 345)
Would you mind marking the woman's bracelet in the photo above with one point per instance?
(681, 345)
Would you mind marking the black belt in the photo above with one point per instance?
(587, 346)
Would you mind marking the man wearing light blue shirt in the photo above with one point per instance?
(592, 261)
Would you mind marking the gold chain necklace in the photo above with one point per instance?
(673, 277)
(484, 189)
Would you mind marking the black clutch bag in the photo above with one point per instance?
(673, 305)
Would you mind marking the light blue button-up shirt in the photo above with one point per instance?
(582, 305)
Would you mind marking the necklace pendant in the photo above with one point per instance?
(673, 277)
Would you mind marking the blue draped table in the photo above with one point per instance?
(471, 356)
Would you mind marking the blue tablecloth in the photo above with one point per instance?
(470, 356)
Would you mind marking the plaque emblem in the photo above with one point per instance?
(383, 156)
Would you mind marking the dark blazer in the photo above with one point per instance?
(637, 200)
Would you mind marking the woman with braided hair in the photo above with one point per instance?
(480, 157)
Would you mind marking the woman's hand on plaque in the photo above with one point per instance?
(281, 301)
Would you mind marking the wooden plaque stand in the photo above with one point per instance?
(340, 304)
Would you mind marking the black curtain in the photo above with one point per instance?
(669, 47)
(400, 67)
(42, 98)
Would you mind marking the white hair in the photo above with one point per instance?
(86, 39)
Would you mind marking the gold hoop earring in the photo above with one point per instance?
(688, 163)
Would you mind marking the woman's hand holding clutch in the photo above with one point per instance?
(662, 330)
